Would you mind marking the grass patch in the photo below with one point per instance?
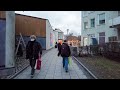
(103, 68)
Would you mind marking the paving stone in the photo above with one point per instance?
(42, 74)
(58, 77)
(73, 74)
(52, 69)
(57, 74)
(79, 72)
(41, 77)
(27, 72)
(49, 77)
(23, 76)
(66, 77)
(82, 76)
(74, 77)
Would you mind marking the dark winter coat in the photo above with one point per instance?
(20, 51)
(59, 47)
(32, 49)
(65, 50)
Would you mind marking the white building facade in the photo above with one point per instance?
(96, 27)
(49, 36)
(59, 35)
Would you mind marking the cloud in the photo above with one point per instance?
(59, 19)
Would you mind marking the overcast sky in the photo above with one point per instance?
(60, 19)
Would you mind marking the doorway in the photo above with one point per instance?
(102, 38)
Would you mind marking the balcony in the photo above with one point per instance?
(115, 22)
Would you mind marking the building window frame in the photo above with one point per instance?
(118, 13)
(85, 25)
(92, 24)
(85, 13)
(91, 12)
(102, 21)
(113, 38)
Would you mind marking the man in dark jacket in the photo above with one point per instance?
(59, 48)
(33, 49)
(20, 50)
(65, 53)
(56, 45)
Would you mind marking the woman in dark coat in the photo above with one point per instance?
(33, 49)
(56, 45)
(59, 48)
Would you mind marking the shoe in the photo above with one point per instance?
(32, 71)
(32, 76)
(66, 71)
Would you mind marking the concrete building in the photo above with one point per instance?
(96, 27)
(56, 35)
(11, 25)
(7, 42)
(73, 41)
(28, 25)
(60, 35)
(115, 24)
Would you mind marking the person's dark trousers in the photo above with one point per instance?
(32, 64)
(65, 63)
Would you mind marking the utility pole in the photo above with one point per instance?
(67, 31)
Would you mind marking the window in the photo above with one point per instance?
(102, 18)
(114, 38)
(91, 11)
(85, 25)
(118, 13)
(84, 13)
(93, 22)
(101, 38)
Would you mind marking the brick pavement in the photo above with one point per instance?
(51, 68)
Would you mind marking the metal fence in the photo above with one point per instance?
(110, 50)
(20, 54)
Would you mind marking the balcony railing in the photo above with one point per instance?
(114, 22)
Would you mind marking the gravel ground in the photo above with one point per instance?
(101, 67)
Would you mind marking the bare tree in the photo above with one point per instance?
(70, 34)
(79, 38)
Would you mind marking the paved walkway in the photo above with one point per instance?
(51, 68)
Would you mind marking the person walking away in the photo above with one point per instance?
(20, 50)
(56, 45)
(33, 49)
(87, 48)
(59, 48)
(65, 53)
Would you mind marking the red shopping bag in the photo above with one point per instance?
(38, 63)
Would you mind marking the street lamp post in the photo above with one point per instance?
(67, 31)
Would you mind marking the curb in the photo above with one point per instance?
(85, 68)
(13, 76)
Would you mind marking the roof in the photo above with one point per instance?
(30, 16)
(72, 38)
(33, 17)
(58, 30)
